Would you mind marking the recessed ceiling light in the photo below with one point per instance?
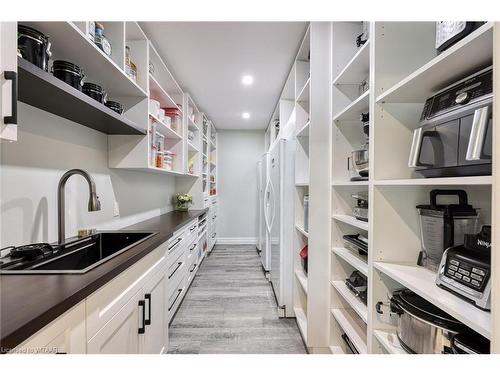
(247, 80)
(245, 115)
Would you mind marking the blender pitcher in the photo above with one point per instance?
(444, 225)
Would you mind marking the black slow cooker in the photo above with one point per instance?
(33, 46)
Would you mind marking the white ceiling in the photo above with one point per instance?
(209, 59)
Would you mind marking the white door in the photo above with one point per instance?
(8, 81)
(266, 211)
(155, 296)
(123, 333)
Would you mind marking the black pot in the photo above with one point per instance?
(95, 91)
(68, 72)
(33, 46)
(115, 106)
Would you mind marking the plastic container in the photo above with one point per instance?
(154, 107)
(161, 115)
(175, 121)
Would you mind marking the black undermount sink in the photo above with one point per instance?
(78, 255)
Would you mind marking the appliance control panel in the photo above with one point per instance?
(473, 88)
(467, 273)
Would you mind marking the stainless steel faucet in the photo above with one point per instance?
(94, 204)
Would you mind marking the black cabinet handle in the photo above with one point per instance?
(142, 329)
(192, 247)
(175, 244)
(147, 297)
(194, 266)
(213, 235)
(192, 228)
(349, 344)
(173, 303)
(176, 268)
(12, 76)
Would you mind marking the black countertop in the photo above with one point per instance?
(30, 302)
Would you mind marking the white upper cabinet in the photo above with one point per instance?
(8, 81)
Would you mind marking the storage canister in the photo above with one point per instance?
(33, 46)
(95, 91)
(68, 72)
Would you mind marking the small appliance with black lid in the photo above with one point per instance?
(465, 270)
(423, 328)
(444, 225)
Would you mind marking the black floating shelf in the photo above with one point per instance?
(42, 90)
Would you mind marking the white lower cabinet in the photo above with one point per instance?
(141, 325)
(156, 332)
(121, 334)
(129, 314)
(64, 335)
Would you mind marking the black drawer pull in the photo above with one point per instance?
(175, 244)
(142, 329)
(12, 76)
(213, 235)
(194, 266)
(179, 291)
(176, 268)
(192, 228)
(349, 344)
(192, 247)
(147, 297)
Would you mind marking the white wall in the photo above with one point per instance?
(237, 213)
(30, 170)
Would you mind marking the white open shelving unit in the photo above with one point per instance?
(190, 140)
(403, 69)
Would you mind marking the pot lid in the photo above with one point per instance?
(423, 309)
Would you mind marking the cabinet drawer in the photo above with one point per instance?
(192, 256)
(191, 232)
(175, 298)
(109, 299)
(176, 271)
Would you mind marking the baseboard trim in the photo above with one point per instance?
(236, 240)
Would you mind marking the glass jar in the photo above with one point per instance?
(100, 39)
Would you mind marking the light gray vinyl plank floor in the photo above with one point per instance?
(230, 309)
